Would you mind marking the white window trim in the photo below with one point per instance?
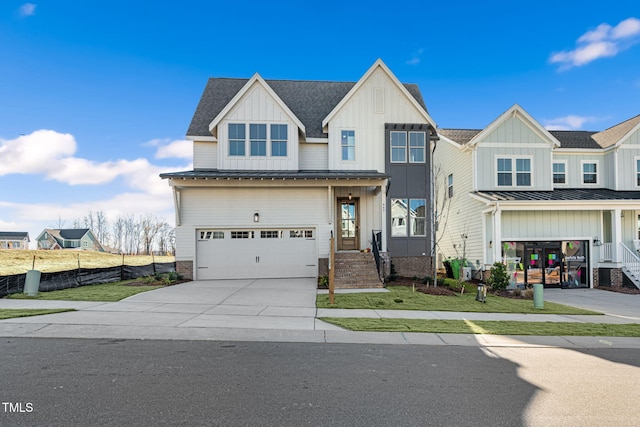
(424, 147)
(406, 147)
(236, 156)
(270, 141)
(566, 173)
(635, 178)
(266, 140)
(247, 140)
(514, 176)
(584, 162)
(355, 145)
(450, 186)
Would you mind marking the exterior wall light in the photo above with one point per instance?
(597, 242)
(256, 217)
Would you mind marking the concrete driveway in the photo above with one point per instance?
(280, 304)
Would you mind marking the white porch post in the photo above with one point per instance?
(617, 234)
(497, 234)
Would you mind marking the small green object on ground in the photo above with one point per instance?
(7, 313)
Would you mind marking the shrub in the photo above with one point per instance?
(498, 278)
(323, 282)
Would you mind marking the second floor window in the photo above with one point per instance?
(398, 147)
(279, 140)
(258, 139)
(237, 137)
(589, 173)
(508, 176)
(416, 147)
(559, 173)
(450, 185)
(638, 172)
(348, 145)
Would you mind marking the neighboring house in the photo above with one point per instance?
(14, 240)
(70, 238)
(561, 208)
(280, 166)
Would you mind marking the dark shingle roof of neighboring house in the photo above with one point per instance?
(72, 233)
(580, 139)
(311, 101)
(562, 194)
(13, 235)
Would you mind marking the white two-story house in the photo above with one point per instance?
(281, 166)
(561, 208)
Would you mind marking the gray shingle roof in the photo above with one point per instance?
(580, 139)
(13, 235)
(250, 174)
(564, 194)
(310, 101)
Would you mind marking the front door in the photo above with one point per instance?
(349, 222)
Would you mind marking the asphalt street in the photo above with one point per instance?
(86, 382)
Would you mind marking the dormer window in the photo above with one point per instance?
(264, 140)
(258, 139)
(237, 137)
(513, 172)
(348, 145)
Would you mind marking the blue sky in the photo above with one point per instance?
(96, 97)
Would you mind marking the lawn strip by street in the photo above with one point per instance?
(107, 292)
(7, 313)
(489, 327)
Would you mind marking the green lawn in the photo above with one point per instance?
(108, 292)
(486, 327)
(7, 313)
(403, 298)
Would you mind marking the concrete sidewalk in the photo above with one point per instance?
(284, 310)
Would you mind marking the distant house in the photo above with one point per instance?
(14, 240)
(71, 238)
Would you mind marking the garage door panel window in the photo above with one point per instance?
(210, 235)
(242, 234)
(299, 234)
(271, 234)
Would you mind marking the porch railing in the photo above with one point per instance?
(606, 252)
(376, 245)
(630, 260)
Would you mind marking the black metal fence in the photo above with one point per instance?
(83, 276)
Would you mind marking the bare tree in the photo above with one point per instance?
(101, 227)
(442, 199)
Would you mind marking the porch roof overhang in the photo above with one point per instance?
(570, 198)
(262, 175)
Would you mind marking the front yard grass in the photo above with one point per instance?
(489, 327)
(7, 313)
(403, 298)
(107, 292)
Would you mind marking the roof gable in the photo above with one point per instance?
(517, 122)
(419, 106)
(617, 134)
(255, 80)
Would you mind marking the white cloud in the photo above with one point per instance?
(570, 122)
(181, 149)
(27, 9)
(602, 42)
(415, 57)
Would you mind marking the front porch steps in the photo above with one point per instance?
(356, 270)
(631, 276)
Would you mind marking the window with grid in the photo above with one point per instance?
(589, 173)
(417, 147)
(237, 135)
(258, 139)
(523, 172)
(398, 147)
(559, 173)
(505, 177)
(348, 145)
(279, 140)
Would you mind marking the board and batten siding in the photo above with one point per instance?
(486, 166)
(235, 207)
(536, 225)
(627, 156)
(514, 131)
(205, 155)
(370, 210)
(257, 106)
(378, 101)
(313, 156)
(574, 169)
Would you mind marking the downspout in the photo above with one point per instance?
(433, 137)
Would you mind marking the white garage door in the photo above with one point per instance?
(256, 253)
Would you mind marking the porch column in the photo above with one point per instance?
(616, 218)
(497, 235)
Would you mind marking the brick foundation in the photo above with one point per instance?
(323, 266)
(419, 266)
(185, 269)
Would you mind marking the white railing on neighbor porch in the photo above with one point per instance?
(630, 260)
(606, 252)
